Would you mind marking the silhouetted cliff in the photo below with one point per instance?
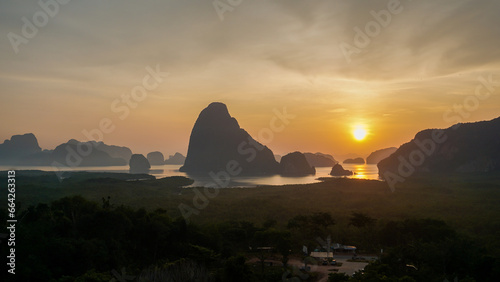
(295, 164)
(139, 164)
(76, 154)
(155, 158)
(176, 159)
(338, 170)
(377, 156)
(217, 143)
(320, 160)
(463, 148)
(113, 151)
(354, 161)
(13, 151)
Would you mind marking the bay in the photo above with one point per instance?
(365, 171)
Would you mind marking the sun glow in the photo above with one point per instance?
(359, 133)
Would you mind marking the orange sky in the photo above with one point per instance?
(421, 62)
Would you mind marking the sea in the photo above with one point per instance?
(364, 171)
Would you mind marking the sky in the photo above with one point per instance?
(390, 67)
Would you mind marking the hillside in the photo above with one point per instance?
(470, 148)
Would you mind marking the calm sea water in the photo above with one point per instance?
(362, 172)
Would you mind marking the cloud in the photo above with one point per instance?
(435, 38)
(339, 110)
(264, 53)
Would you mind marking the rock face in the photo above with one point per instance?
(155, 158)
(218, 144)
(13, 151)
(320, 160)
(139, 164)
(345, 156)
(377, 156)
(295, 164)
(338, 170)
(462, 148)
(38, 159)
(76, 154)
(113, 151)
(24, 150)
(355, 161)
(176, 159)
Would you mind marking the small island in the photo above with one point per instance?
(139, 164)
(354, 161)
(295, 164)
(338, 170)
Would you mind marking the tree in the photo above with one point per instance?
(235, 269)
(338, 277)
(361, 220)
(311, 229)
(313, 225)
(269, 223)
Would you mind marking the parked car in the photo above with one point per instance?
(358, 258)
(333, 262)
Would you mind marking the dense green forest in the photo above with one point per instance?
(73, 239)
(95, 229)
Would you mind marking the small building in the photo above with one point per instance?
(343, 248)
(322, 255)
(322, 252)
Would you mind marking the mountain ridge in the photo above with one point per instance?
(462, 148)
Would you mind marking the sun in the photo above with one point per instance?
(359, 134)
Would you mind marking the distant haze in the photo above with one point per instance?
(263, 56)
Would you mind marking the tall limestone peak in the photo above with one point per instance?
(19, 146)
(216, 114)
(217, 143)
